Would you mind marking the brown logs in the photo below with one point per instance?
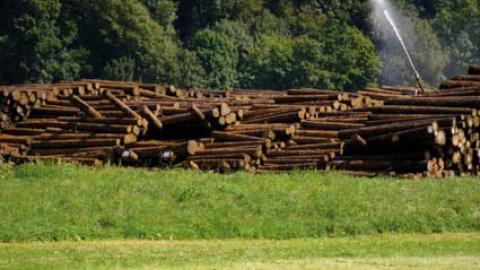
(391, 130)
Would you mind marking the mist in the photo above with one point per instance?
(404, 47)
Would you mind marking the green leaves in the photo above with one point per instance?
(218, 56)
(229, 44)
(128, 32)
(35, 43)
(458, 26)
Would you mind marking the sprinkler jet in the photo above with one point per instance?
(382, 5)
(407, 53)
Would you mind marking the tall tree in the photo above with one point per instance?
(194, 15)
(36, 44)
(218, 56)
(457, 22)
(123, 32)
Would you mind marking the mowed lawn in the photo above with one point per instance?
(69, 217)
(446, 251)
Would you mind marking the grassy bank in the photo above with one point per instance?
(45, 202)
(446, 251)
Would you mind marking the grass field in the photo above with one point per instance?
(47, 202)
(422, 252)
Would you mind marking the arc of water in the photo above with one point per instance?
(397, 33)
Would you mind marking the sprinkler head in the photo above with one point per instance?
(419, 83)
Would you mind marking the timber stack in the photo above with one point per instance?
(387, 130)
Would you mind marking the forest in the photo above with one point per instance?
(225, 44)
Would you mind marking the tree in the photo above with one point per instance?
(309, 69)
(124, 29)
(239, 33)
(340, 58)
(36, 44)
(163, 11)
(352, 12)
(352, 57)
(457, 23)
(122, 69)
(191, 73)
(218, 56)
(232, 43)
(195, 15)
(270, 62)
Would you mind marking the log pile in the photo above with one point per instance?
(387, 130)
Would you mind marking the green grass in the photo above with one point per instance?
(422, 252)
(47, 202)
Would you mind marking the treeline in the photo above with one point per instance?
(230, 43)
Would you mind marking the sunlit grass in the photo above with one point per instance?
(51, 202)
(446, 251)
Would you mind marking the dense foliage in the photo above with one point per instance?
(232, 43)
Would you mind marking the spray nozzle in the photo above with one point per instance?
(419, 83)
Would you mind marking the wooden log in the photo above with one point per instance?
(235, 144)
(83, 161)
(262, 133)
(314, 152)
(244, 157)
(200, 116)
(288, 117)
(188, 148)
(335, 145)
(177, 119)
(55, 111)
(254, 151)
(23, 131)
(75, 143)
(318, 133)
(106, 128)
(125, 138)
(109, 120)
(312, 91)
(474, 70)
(458, 84)
(469, 77)
(15, 139)
(296, 159)
(122, 106)
(226, 136)
(332, 126)
(392, 127)
(289, 167)
(307, 160)
(301, 98)
(394, 109)
(469, 91)
(309, 140)
(86, 107)
(464, 101)
(152, 118)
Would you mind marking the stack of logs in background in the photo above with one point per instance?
(388, 130)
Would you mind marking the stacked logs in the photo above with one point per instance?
(431, 135)
(387, 130)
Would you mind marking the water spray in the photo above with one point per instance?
(382, 4)
(407, 53)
